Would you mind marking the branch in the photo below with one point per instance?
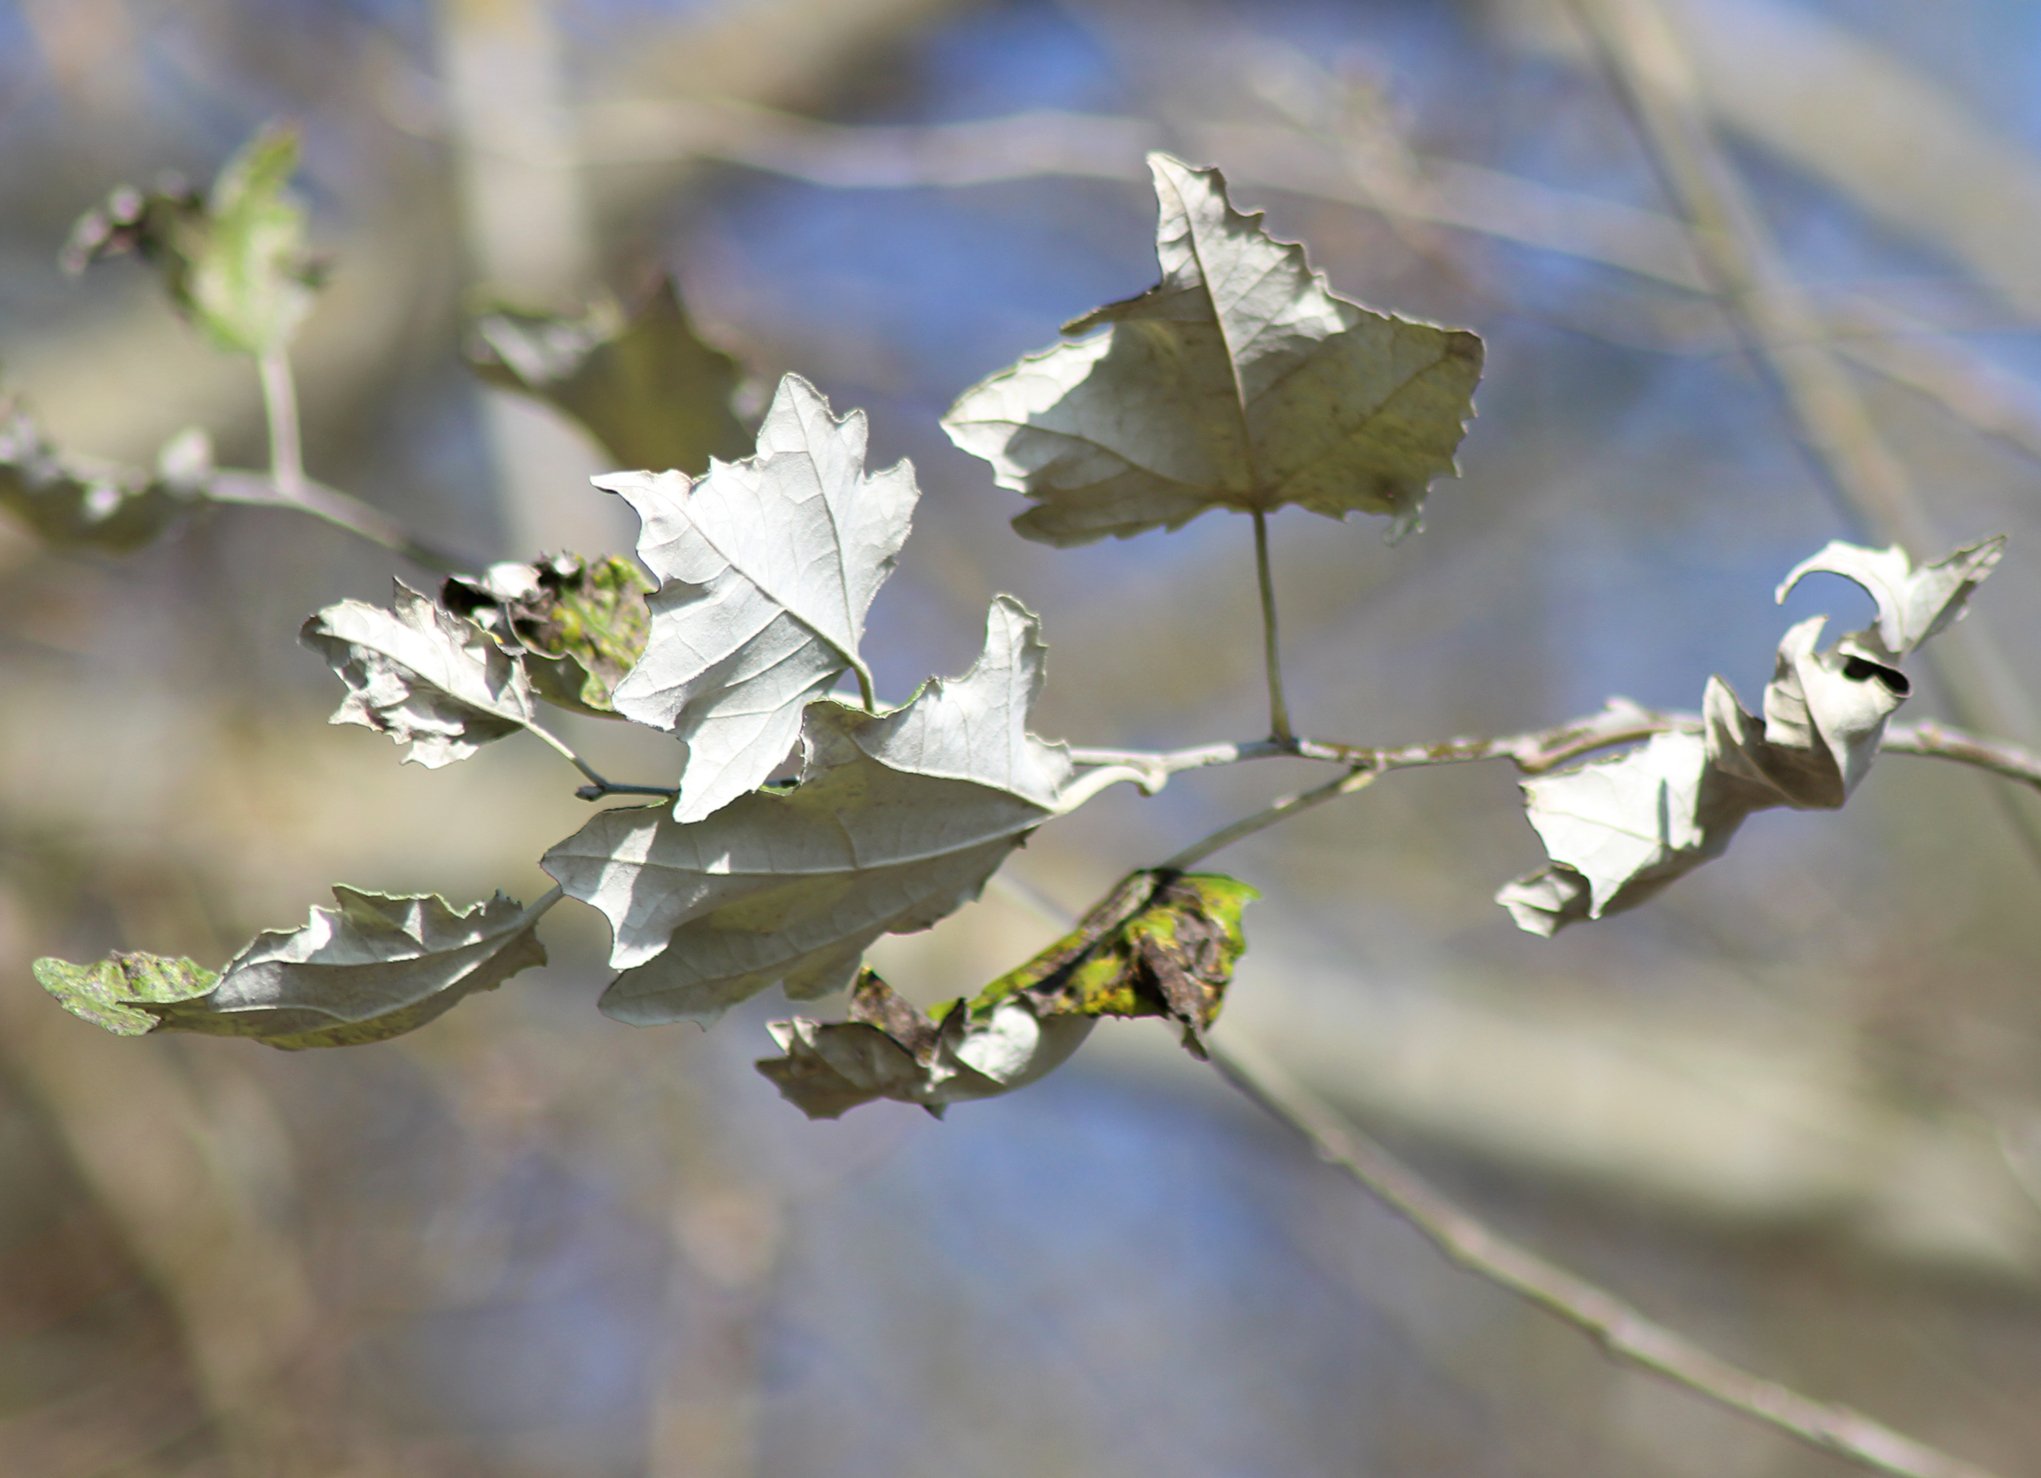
(1622, 1331)
(343, 511)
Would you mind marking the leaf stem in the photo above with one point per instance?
(1279, 708)
(1620, 1329)
(280, 411)
(599, 785)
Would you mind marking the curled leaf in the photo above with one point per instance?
(1239, 381)
(1160, 944)
(1913, 604)
(235, 261)
(579, 625)
(75, 504)
(1618, 830)
(769, 565)
(373, 968)
(640, 381)
(426, 677)
(896, 821)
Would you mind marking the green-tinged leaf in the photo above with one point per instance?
(1240, 381)
(1620, 829)
(769, 565)
(235, 262)
(375, 967)
(76, 504)
(580, 625)
(1160, 944)
(109, 993)
(897, 821)
(642, 382)
(431, 680)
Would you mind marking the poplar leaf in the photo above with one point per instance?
(1913, 605)
(373, 968)
(1617, 830)
(640, 381)
(579, 625)
(896, 821)
(429, 679)
(76, 504)
(1160, 944)
(769, 565)
(1239, 381)
(235, 261)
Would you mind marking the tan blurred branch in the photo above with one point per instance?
(1619, 1328)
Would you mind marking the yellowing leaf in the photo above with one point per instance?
(1160, 944)
(580, 625)
(1240, 381)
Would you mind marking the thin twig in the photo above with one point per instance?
(1279, 708)
(280, 412)
(1622, 1331)
(598, 785)
(343, 511)
(1262, 820)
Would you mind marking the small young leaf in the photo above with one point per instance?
(78, 505)
(1160, 944)
(769, 566)
(1240, 381)
(235, 262)
(374, 968)
(897, 821)
(642, 383)
(422, 675)
(579, 625)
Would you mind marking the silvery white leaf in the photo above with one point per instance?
(1913, 604)
(424, 676)
(1240, 381)
(898, 819)
(373, 968)
(769, 566)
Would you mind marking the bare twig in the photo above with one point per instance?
(1621, 1330)
(342, 510)
(1280, 810)
(1279, 707)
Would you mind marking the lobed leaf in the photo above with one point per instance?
(897, 820)
(1160, 944)
(578, 625)
(76, 504)
(374, 968)
(235, 262)
(431, 680)
(641, 381)
(1239, 381)
(768, 567)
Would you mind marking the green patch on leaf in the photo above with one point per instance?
(109, 993)
(640, 380)
(580, 624)
(78, 504)
(1160, 944)
(234, 260)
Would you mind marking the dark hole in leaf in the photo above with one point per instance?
(1862, 669)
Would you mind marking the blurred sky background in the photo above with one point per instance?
(1790, 1108)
